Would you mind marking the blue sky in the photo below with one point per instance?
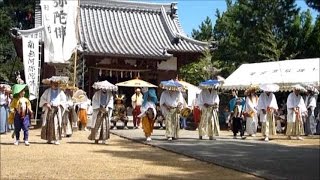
(193, 12)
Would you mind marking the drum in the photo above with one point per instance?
(185, 112)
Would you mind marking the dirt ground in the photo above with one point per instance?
(78, 158)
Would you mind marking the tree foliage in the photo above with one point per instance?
(13, 13)
(202, 69)
(205, 32)
(315, 4)
(251, 31)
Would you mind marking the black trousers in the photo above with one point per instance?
(238, 124)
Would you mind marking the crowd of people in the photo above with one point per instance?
(62, 113)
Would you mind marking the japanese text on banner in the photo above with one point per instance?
(31, 64)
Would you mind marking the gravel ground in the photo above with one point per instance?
(78, 158)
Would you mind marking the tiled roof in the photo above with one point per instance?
(133, 29)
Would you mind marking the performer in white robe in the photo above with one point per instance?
(66, 119)
(102, 105)
(209, 123)
(251, 112)
(311, 104)
(295, 108)
(267, 105)
(171, 102)
(53, 103)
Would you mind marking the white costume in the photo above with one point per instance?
(267, 103)
(102, 105)
(251, 111)
(209, 123)
(66, 121)
(96, 102)
(175, 101)
(294, 120)
(52, 118)
(311, 123)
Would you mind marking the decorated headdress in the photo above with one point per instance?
(79, 96)
(172, 85)
(68, 86)
(251, 89)
(6, 87)
(269, 87)
(210, 84)
(105, 85)
(299, 88)
(120, 97)
(58, 79)
(312, 89)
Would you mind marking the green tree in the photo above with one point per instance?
(13, 13)
(299, 35)
(205, 32)
(201, 69)
(313, 42)
(315, 4)
(254, 31)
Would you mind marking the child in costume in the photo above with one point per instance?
(21, 108)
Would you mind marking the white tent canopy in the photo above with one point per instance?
(284, 73)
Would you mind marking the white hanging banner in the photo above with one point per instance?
(60, 21)
(31, 64)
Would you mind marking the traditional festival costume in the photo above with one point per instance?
(137, 99)
(119, 112)
(311, 104)
(267, 105)
(295, 108)
(102, 104)
(238, 123)
(209, 122)
(52, 117)
(67, 116)
(21, 109)
(208, 101)
(148, 112)
(4, 106)
(81, 100)
(171, 102)
(251, 115)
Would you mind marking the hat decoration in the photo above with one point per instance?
(57, 79)
(172, 85)
(210, 84)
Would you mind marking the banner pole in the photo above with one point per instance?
(35, 116)
(76, 53)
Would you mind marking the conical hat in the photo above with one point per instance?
(17, 88)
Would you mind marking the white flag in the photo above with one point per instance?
(60, 40)
(31, 64)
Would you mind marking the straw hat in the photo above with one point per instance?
(57, 79)
(299, 88)
(312, 89)
(251, 89)
(68, 87)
